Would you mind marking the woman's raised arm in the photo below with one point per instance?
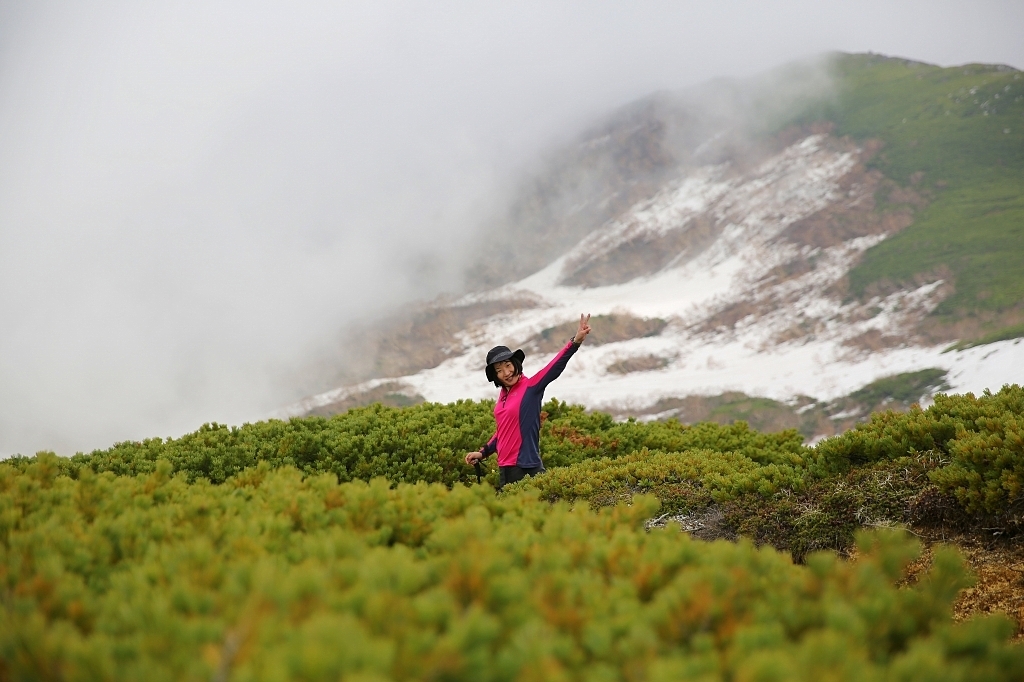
(558, 363)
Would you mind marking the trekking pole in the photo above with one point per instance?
(479, 472)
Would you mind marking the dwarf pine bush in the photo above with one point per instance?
(273, 575)
(425, 442)
(978, 441)
(889, 435)
(571, 435)
(987, 470)
(723, 475)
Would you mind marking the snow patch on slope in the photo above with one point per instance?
(797, 338)
(751, 210)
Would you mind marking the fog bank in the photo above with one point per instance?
(195, 198)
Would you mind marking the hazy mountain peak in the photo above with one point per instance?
(720, 236)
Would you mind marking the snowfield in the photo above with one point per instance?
(798, 339)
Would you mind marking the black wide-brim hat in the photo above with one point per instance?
(501, 354)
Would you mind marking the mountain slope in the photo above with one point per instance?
(957, 133)
(795, 257)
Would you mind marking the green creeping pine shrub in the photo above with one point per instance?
(276, 576)
(987, 472)
(979, 442)
(827, 513)
(570, 435)
(426, 442)
(422, 443)
(723, 475)
(890, 435)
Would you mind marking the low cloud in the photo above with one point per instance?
(196, 198)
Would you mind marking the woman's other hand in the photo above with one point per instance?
(581, 333)
(473, 457)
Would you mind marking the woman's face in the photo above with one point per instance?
(506, 373)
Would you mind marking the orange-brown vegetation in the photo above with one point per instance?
(998, 568)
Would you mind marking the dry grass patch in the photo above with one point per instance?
(607, 329)
(998, 568)
(640, 363)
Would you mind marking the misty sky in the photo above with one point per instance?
(196, 196)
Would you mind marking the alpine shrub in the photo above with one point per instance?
(278, 575)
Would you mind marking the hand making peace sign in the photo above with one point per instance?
(581, 333)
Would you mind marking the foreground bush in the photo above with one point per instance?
(721, 475)
(971, 448)
(272, 576)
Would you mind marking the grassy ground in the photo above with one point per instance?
(903, 389)
(957, 135)
(1005, 334)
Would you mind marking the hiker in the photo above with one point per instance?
(517, 412)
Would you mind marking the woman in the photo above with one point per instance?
(517, 412)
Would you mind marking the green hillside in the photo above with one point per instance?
(957, 135)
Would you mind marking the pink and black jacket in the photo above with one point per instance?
(517, 414)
